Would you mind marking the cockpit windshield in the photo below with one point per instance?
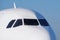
(43, 22)
(31, 22)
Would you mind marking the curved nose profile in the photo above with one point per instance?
(21, 24)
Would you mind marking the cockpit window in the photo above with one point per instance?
(18, 23)
(43, 22)
(31, 22)
(10, 24)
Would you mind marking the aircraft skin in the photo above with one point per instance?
(10, 29)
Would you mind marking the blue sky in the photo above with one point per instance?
(50, 9)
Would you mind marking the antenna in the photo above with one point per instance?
(14, 5)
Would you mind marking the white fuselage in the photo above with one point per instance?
(23, 32)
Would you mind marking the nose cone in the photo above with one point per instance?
(22, 32)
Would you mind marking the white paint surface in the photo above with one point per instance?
(23, 32)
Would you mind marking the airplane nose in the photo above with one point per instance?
(12, 30)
